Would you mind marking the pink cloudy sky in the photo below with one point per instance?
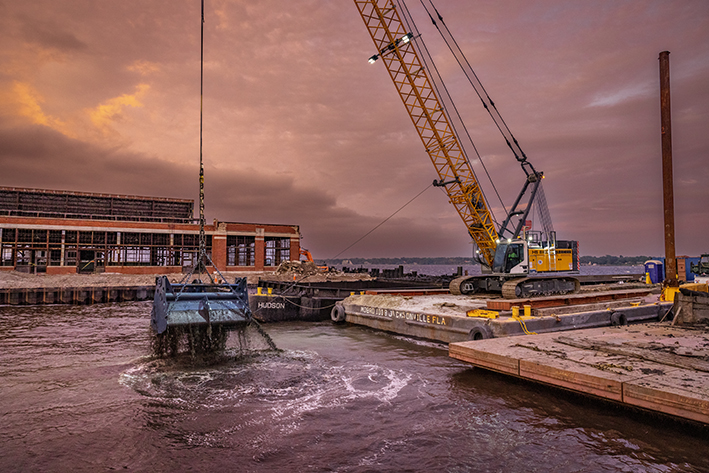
(103, 96)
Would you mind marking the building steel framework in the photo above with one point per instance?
(66, 204)
(61, 231)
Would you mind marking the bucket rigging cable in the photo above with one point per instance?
(202, 237)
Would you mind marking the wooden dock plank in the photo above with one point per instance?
(503, 363)
(651, 366)
(679, 392)
(407, 292)
(644, 351)
(569, 379)
(596, 373)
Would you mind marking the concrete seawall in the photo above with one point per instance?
(75, 295)
(266, 308)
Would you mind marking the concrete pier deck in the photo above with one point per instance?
(653, 366)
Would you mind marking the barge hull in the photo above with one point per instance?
(447, 321)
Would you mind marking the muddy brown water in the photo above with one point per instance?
(80, 392)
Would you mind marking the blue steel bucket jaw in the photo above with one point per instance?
(204, 309)
(199, 304)
(158, 315)
(241, 296)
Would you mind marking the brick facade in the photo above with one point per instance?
(64, 245)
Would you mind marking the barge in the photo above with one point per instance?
(449, 318)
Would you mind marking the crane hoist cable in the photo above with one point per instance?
(394, 44)
(447, 101)
(474, 81)
(202, 257)
(382, 222)
(489, 105)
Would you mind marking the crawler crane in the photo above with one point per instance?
(515, 261)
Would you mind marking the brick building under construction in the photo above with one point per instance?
(61, 232)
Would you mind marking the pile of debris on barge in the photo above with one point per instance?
(300, 291)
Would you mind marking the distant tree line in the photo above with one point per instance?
(460, 261)
(397, 261)
(616, 260)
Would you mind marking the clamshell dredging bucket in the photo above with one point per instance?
(199, 304)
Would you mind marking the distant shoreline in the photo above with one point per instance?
(459, 261)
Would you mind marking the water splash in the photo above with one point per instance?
(207, 340)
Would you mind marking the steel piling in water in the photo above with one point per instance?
(667, 180)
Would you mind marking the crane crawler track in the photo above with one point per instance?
(515, 288)
(455, 287)
(520, 288)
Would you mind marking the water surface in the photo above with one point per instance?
(80, 392)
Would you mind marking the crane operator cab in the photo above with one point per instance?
(535, 254)
(511, 257)
(521, 268)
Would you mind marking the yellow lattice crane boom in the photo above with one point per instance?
(411, 79)
(516, 259)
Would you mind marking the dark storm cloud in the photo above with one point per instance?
(299, 129)
(50, 35)
(36, 157)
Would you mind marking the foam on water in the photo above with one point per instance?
(287, 385)
(337, 398)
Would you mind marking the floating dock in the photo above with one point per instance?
(653, 366)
